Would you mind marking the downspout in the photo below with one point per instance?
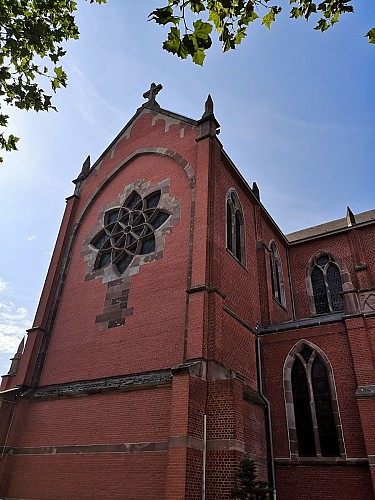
(269, 420)
(204, 456)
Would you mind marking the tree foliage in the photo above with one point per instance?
(32, 33)
(231, 18)
(248, 487)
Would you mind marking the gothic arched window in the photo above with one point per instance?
(326, 285)
(277, 279)
(313, 417)
(235, 227)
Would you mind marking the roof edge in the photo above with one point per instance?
(151, 108)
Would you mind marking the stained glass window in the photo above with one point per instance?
(329, 445)
(312, 400)
(302, 411)
(229, 226)
(320, 291)
(326, 285)
(235, 229)
(335, 287)
(276, 275)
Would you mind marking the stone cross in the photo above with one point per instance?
(152, 93)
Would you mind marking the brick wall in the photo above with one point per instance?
(328, 483)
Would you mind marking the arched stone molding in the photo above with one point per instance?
(180, 160)
(294, 353)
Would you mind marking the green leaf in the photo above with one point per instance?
(163, 16)
(199, 57)
(241, 34)
(172, 44)
(215, 17)
(268, 19)
(197, 6)
(202, 29)
(371, 35)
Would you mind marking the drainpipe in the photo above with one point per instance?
(204, 456)
(269, 421)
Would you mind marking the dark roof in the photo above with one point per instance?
(329, 227)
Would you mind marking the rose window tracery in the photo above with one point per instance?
(128, 231)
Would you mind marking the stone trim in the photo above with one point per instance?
(302, 323)
(225, 444)
(141, 447)
(365, 392)
(240, 320)
(252, 396)
(89, 449)
(186, 442)
(205, 288)
(98, 386)
(322, 461)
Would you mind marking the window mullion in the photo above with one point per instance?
(328, 292)
(312, 405)
(233, 230)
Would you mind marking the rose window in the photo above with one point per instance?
(129, 230)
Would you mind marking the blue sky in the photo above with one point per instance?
(296, 110)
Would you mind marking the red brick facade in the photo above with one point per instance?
(165, 349)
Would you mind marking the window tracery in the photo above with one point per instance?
(326, 285)
(129, 230)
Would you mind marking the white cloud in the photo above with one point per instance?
(4, 285)
(14, 321)
(31, 238)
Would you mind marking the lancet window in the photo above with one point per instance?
(235, 227)
(277, 279)
(313, 417)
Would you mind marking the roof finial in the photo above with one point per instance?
(17, 358)
(255, 190)
(350, 218)
(86, 165)
(208, 107)
(152, 93)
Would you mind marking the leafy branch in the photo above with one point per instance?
(32, 33)
(231, 18)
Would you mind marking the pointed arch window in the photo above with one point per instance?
(235, 227)
(326, 285)
(277, 279)
(313, 418)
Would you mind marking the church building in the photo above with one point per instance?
(179, 330)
